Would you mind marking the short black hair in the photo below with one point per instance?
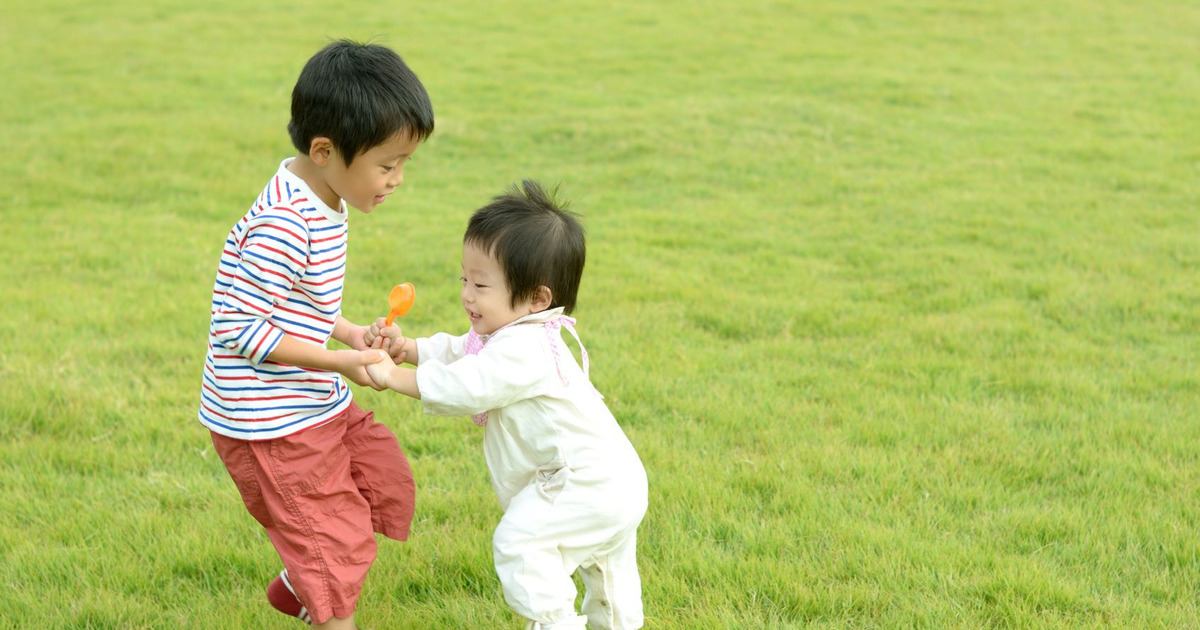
(536, 240)
(358, 96)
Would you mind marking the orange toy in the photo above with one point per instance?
(400, 300)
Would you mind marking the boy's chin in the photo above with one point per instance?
(368, 207)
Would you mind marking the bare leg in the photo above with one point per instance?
(336, 623)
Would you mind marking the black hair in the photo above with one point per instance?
(537, 241)
(358, 96)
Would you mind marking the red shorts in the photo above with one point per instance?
(320, 494)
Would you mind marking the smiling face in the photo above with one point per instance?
(485, 293)
(373, 175)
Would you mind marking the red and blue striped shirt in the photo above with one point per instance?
(281, 273)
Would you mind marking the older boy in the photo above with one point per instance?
(316, 471)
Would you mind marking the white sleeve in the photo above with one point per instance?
(506, 371)
(441, 348)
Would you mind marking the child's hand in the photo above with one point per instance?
(356, 337)
(353, 365)
(371, 335)
(378, 329)
(387, 338)
(349, 333)
(378, 371)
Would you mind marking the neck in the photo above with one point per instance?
(304, 168)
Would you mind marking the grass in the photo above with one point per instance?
(897, 300)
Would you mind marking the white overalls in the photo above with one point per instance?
(571, 485)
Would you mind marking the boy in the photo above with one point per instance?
(314, 469)
(571, 485)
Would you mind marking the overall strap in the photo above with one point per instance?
(552, 328)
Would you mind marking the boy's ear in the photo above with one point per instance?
(542, 299)
(321, 150)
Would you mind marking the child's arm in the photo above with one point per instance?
(387, 375)
(269, 269)
(349, 363)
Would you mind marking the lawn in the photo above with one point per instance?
(899, 301)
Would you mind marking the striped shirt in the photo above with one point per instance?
(281, 273)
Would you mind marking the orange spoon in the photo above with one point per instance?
(400, 300)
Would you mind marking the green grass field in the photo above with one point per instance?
(899, 301)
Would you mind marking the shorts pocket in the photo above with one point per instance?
(304, 462)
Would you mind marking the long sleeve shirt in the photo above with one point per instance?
(281, 272)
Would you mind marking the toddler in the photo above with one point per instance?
(572, 488)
